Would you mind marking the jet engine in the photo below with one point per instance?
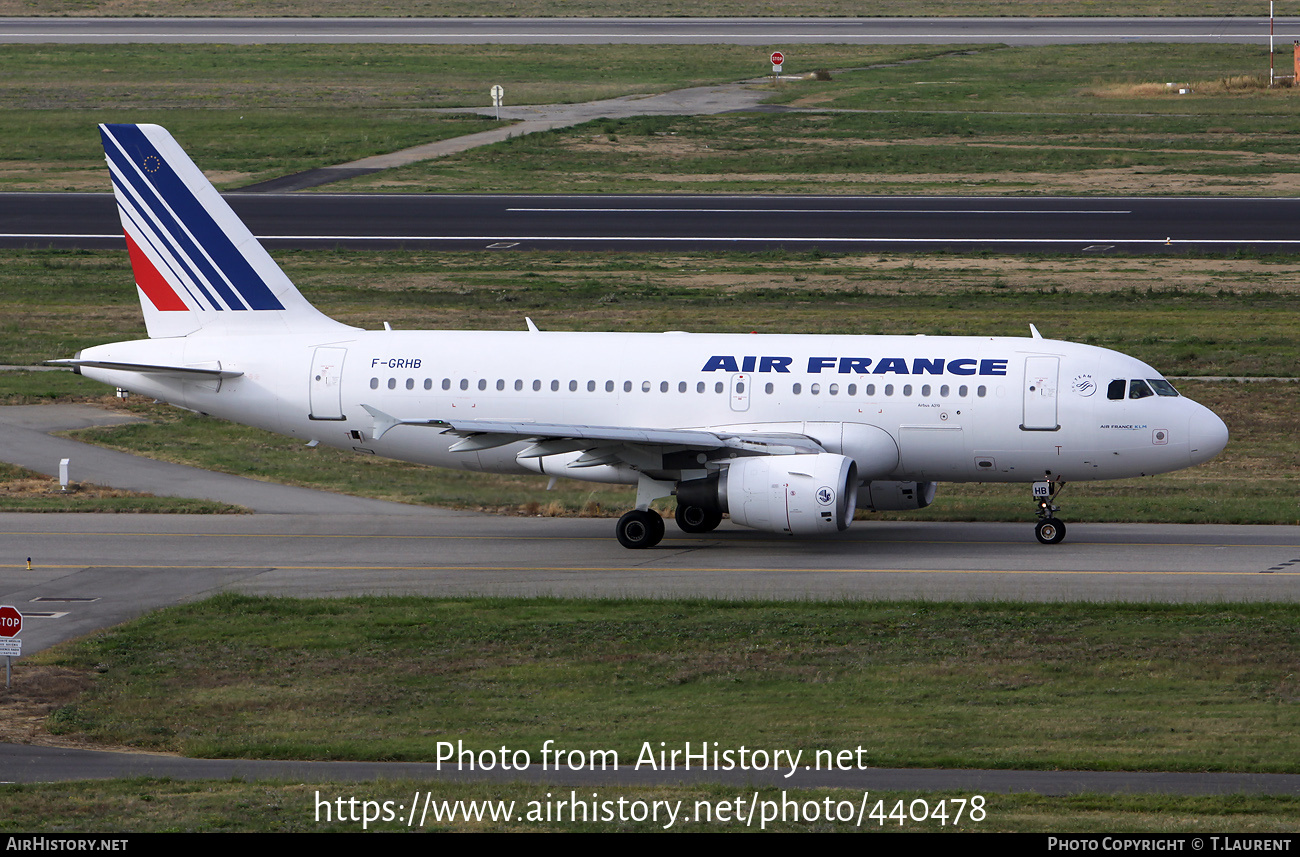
(896, 496)
(803, 495)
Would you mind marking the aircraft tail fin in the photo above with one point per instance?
(196, 265)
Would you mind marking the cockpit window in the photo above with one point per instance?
(1138, 389)
(1162, 387)
(1116, 389)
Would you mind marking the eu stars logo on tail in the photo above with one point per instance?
(793, 442)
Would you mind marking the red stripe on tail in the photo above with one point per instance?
(151, 282)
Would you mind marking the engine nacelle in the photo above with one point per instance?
(798, 494)
(896, 496)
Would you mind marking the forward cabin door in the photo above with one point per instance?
(1040, 394)
(325, 395)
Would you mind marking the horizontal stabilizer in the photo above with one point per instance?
(147, 368)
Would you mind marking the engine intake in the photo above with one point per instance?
(796, 494)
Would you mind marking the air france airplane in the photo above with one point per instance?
(783, 433)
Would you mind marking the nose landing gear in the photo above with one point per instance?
(1048, 530)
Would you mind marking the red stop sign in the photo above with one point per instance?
(777, 58)
(11, 621)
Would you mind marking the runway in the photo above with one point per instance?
(774, 32)
(705, 222)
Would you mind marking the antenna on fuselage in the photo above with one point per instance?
(1034, 332)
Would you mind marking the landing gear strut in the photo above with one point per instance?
(1048, 530)
(640, 528)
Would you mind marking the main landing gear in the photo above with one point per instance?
(640, 528)
(1049, 530)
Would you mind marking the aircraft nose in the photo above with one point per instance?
(1207, 435)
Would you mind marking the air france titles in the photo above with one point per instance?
(859, 365)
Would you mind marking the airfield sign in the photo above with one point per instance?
(778, 59)
(11, 621)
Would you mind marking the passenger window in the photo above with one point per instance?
(796, 389)
(410, 383)
(852, 390)
(464, 383)
(1138, 389)
(1116, 389)
(374, 383)
(681, 386)
(627, 386)
(591, 386)
(428, 383)
(963, 390)
(482, 383)
(663, 386)
(699, 388)
(833, 389)
(645, 386)
(907, 389)
(446, 383)
(519, 384)
(717, 388)
(501, 383)
(889, 389)
(392, 383)
(981, 391)
(943, 391)
(814, 388)
(537, 385)
(555, 385)
(609, 386)
(871, 390)
(769, 388)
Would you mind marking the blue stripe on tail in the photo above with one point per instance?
(164, 190)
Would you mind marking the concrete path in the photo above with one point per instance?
(529, 119)
(28, 444)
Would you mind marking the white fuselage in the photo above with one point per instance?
(958, 409)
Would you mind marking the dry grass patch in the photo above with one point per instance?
(1239, 84)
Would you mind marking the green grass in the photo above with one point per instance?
(159, 805)
(1038, 686)
(1054, 119)
(246, 113)
(980, 119)
(609, 8)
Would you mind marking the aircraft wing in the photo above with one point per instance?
(554, 438)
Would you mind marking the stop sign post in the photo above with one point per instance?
(11, 623)
(778, 60)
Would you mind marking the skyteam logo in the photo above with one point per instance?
(183, 257)
(825, 495)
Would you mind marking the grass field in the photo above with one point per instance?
(1042, 686)
(163, 806)
(250, 112)
(1087, 119)
(1058, 120)
(610, 8)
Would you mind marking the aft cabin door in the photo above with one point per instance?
(1040, 394)
(326, 385)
